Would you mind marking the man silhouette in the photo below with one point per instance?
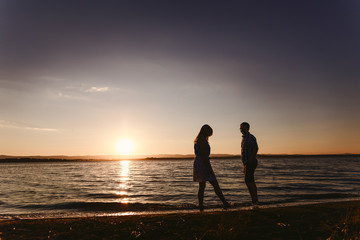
(249, 149)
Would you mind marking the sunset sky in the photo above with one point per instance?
(78, 76)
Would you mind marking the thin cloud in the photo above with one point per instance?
(42, 129)
(70, 97)
(74, 85)
(9, 124)
(97, 89)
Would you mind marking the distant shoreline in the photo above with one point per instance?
(26, 159)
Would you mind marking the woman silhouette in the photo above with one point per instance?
(202, 168)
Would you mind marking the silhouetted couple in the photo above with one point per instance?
(203, 171)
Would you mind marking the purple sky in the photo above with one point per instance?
(77, 76)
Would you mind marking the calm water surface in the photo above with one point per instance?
(113, 186)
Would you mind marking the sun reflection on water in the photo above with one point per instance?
(124, 181)
(125, 168)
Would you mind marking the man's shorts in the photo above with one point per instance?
(249, 170)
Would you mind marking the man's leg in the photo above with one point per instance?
(253, 192)
(249, 172)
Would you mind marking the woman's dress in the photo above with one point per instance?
(202, 173)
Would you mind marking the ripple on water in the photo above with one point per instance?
(90, 186)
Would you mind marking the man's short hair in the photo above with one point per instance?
(246, 125)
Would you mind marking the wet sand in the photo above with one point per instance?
(314, 221)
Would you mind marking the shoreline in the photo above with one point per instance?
(306, 221)
(165, 210)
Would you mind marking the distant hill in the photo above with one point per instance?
(62, 158)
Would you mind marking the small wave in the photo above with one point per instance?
(283, 198)
(105, 195)
(108, 207)
(327, 196)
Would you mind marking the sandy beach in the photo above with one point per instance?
(333, 220)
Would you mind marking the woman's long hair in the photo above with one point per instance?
(205, 131)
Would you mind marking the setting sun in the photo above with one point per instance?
(125, 146)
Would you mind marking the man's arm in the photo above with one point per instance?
(253, 150)
(253, 153)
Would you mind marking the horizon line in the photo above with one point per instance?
(161, 156)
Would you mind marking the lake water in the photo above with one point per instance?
(33, 189)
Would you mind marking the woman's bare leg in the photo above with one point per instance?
(219, 193)
(202, 186)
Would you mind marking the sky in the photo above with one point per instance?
(78, 76)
